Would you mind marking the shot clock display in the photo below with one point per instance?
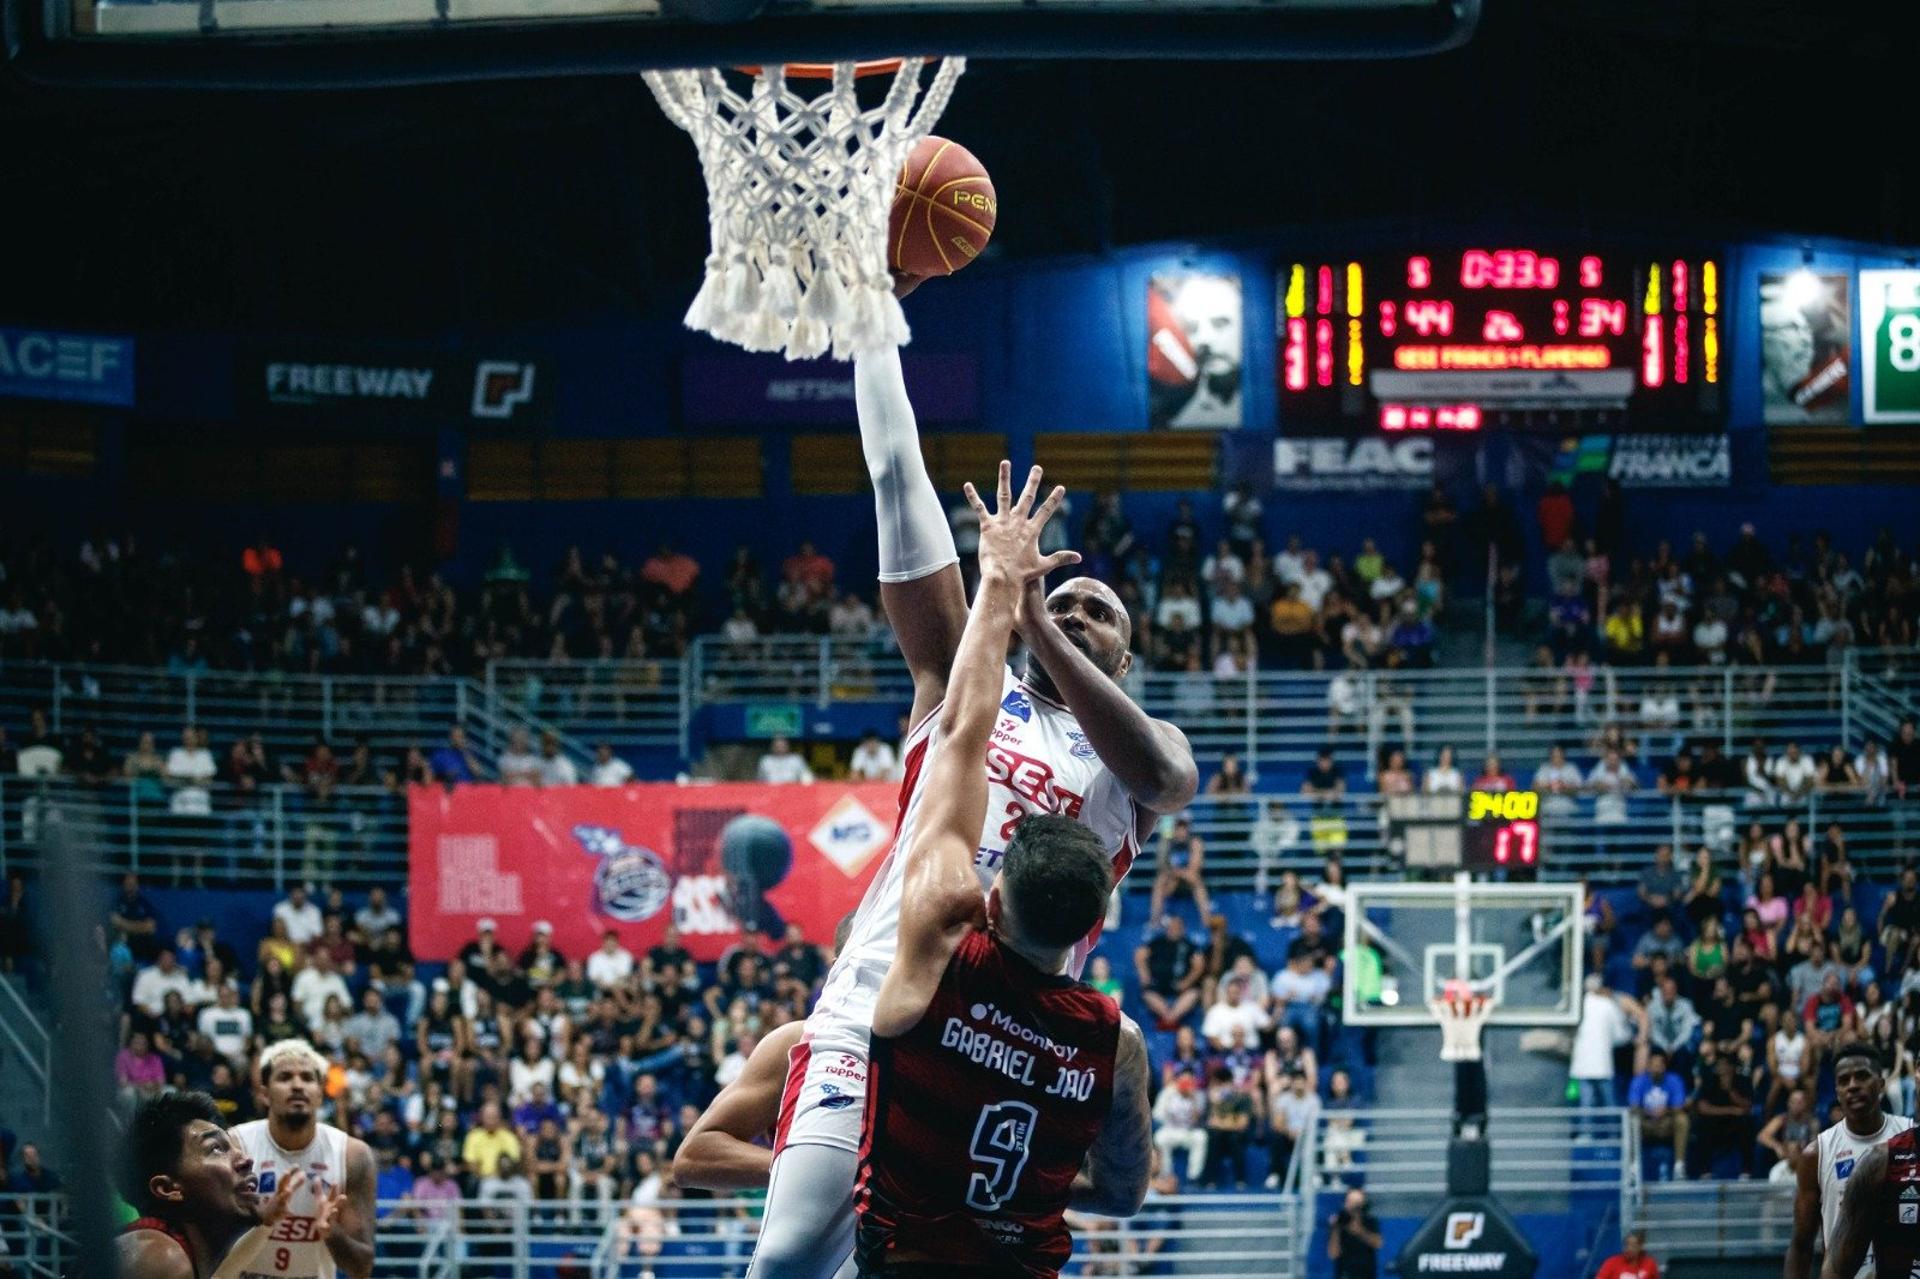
(1460, 339)
(1502, 832)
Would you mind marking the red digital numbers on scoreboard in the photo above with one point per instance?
(1508, 269)
(1517, 844)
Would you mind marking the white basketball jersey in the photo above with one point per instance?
(1839, 1150)
(291, 1252)
(1038, 761)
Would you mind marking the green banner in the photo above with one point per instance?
(1890, 344)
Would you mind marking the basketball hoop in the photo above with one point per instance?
(798, 190)
(1461, 1012)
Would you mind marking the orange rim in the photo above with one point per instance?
(824, 70)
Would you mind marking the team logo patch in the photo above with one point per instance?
(268, 1180)
(1463, 1228)
(631, 882)
(1843, 1168)
(1018, 705)
(1909, 1214)
(849, 835)
(833, 1099)
(1081, 748)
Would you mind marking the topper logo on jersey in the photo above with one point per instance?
(630, 883)
(1463, 1228)
(1032, 779)
(1018, 704)
(501, 386)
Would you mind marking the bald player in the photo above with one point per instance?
(1067, 741)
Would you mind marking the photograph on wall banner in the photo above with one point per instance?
(1806, 327)
(1195, 347)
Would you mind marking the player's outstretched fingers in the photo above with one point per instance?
(329, 1213)
(1027, 492)
(1052, 504)
(1059, 559)
(1003, 496)
(973, 499)
(281, 1200)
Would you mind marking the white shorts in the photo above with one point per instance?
(825, 1099)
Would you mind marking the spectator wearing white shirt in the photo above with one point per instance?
(1223, 566)
(378, 915)
(1559, 781)
(609, 769)
(1794, 774)
(740, 627)
(849, 617)
(1610, 782)
(1234, 1009)
(1232, 613)
(1180, 1123)
(189, 769)
(1710, 639)
(780, 765)
(1758, 773)
(1444, 777)
(227, 1025)
(873, 760)
(1177, 600)
(317, 983)
(165, 976)
(555, 768)
(611, 964)
(518, 765)
(734, 1064)
(300, 915)
(1314, 582)
(1388, 585)
(1875, 772)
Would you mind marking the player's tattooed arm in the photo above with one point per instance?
(1148, 756)
(1806, 1215)
(1120, 1161)
(351, 1243)
(1860, 1208)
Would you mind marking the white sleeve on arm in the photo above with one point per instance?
(915, 538)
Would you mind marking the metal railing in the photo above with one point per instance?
(816, 670)
(1538, 1153)
(1714, 1219)
(279, 834)
(632, 704)
(1252, 840)
(31, 1044)
(271, 836)
(290, 712)
(1202, 1236)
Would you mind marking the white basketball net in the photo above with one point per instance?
(1461, 1015)
(798, 191)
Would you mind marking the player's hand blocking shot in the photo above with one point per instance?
(995, 1077)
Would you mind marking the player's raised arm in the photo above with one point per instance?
(920, 585)
(719, 1152)
(350, 1242)
(1860, 1208)
(941, 898)
(1806, 1215)
(1120, 1162)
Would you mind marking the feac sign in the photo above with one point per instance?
(1332, 463)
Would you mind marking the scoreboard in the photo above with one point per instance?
(1481, 832)
(1454, 340)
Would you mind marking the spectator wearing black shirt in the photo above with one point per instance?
(1353, 1239)
(798, 965)
(1904, 755)
(134, 918)
(478, 954)
(1722, 1126)
(670, 963)
(1170, 968)
(90, 762)
(1900, 913)
(1715, 770)
(1224, 948)
(34, 1177)
(1324, 784)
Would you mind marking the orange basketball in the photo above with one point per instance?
(943, 210)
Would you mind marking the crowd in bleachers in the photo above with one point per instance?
(578, 1073)
(1724, 983)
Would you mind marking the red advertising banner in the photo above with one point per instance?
(637, 858)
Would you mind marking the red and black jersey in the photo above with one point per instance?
(1896, 1234)
(979, 1118)
(166, 1228)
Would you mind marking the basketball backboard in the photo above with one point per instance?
(1519, 943)
(271, 44)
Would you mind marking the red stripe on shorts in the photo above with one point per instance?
(799, 1057)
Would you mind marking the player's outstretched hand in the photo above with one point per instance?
(1010, 533)
(328, 1213)
(271, 1209)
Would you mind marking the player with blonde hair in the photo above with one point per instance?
(291, 1075)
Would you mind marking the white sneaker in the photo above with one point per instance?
(1273, 1181)
(1679, 1170)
